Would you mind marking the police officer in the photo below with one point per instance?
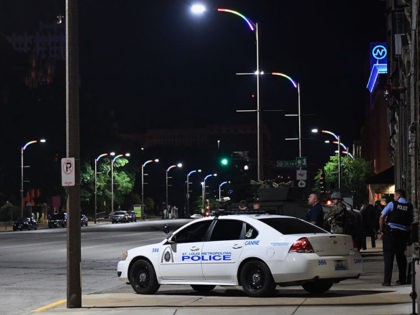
(336, 215)
(394, 224)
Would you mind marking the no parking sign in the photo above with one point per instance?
(67, 172)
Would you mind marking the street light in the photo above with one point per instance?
(96, 185)
(345, 148)
(187, 205)
(337, 138)
(200, 9)
(22, 150)
(220, 189)
(296, 85)
(179, 165)
(112, 177)
(142, 178)
(203, 190)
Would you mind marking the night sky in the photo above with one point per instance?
(154, 65)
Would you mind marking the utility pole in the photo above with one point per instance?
(74, 291)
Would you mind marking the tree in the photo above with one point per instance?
(354, 173)
(123, 184)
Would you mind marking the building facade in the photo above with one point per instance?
(401, 94)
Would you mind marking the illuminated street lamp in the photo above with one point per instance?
(203, 190)
(179, 165)
(296, 85)
(200, 9)
(220, 189)
(337, 138)
(187, 205)
(112, 176)
(142, 178)
(22, 150)
(96, 185)
(345, 148)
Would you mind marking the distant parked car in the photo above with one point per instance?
(57, 220)
(120, 216)
(26, 223)
(132, 216)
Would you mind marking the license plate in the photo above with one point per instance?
(340, 265)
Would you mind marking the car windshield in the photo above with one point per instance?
(292, 226)
(119, 212)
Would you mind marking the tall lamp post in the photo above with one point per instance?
(296, 85)
(187, 205)
(337, 138)
(112, 177)
(200, 9)
(179, 165)
(220, 189)
(22, 150)
(203, 190)
(142, 178)
(96, 184)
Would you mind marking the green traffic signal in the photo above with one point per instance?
(224, 161)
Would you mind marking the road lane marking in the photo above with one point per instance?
(51, 305)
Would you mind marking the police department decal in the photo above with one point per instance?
(167, 255)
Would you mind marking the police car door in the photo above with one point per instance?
(221, 254)
(181, 255)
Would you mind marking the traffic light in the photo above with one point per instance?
(322, 181)
(224, 161)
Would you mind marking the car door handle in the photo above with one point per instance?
(194, 249)
(237, 246)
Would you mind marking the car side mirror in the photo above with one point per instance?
(166, 228)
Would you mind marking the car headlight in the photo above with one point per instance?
(124, 255)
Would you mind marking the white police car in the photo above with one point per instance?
(255, 251)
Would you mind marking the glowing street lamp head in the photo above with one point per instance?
(198, 8)
(179, 165)
(251, 24)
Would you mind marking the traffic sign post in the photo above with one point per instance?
(67, 172)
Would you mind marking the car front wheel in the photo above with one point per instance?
(143, 277)
(256, 279)
(318, 286)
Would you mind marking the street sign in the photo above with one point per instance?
(301, 184)
(67, 172)
(286, 163)
(301, 175)
(299, 162)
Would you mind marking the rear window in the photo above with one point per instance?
(292, 226)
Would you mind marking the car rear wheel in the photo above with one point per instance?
(256, 279)
(143, 277)
(318, 286)
(202, 288)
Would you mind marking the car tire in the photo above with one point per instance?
(256, 279)
(202, 288)
(142, 277)
(318, 286)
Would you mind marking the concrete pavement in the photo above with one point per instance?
(358, 296)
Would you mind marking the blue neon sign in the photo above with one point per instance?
(378, 63)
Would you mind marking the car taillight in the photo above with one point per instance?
(302, 245)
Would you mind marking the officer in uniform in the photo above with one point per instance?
(336, 215)
(394, 224)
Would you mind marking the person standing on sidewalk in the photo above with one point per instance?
(315, 214)
(394, 224)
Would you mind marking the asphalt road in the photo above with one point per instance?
(33, 264)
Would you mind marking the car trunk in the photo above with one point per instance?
(331, 244)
